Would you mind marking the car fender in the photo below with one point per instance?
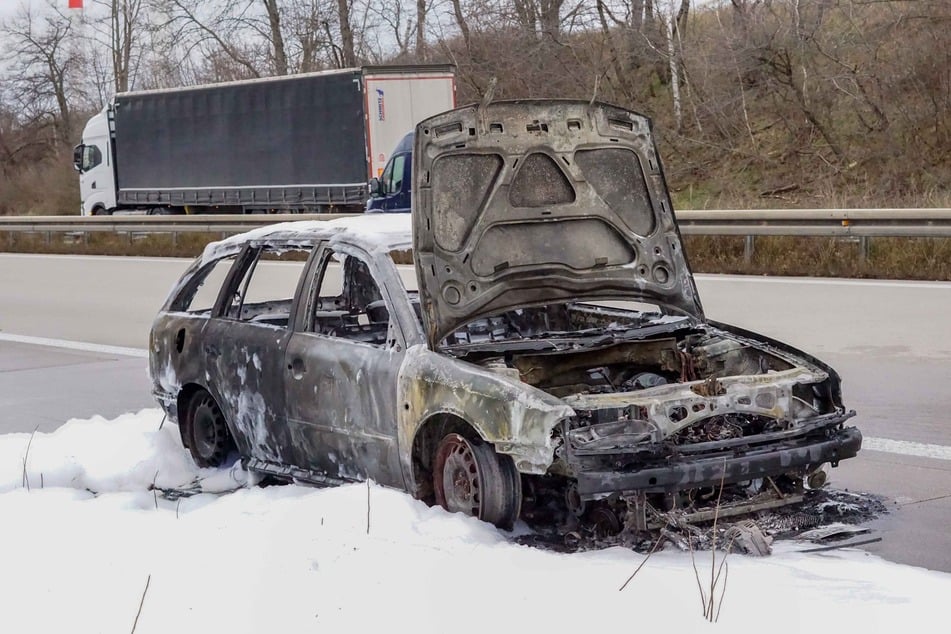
(516, 418)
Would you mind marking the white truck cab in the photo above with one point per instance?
(93, 160)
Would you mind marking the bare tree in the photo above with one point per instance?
(397, 25)
(276, 36)
(539, 17)
(43, 57)
(348, 56)
(121, 27)
(238, 28)
(421, 9)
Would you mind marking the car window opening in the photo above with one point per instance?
(349, 304)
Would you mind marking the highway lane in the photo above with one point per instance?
(889, 340)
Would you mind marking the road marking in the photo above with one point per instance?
(75, 345)
(94, 258)
(907, 448)
(821, 281)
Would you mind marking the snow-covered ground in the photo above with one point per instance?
(82, 539)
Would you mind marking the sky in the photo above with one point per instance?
(87, 547)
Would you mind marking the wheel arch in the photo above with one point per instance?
(428, 434)
(185, 395)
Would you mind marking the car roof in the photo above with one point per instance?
(373, 233)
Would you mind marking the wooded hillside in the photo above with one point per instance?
(757, 102)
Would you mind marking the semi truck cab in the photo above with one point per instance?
(93, 160)
(391, 192)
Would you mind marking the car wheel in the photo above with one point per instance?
(209, 440)
(469, 477)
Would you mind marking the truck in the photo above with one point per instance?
(299, 143)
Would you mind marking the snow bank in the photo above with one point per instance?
(128, 453)
(295, 559)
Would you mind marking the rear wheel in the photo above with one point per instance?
(209, 440)
(469, 477)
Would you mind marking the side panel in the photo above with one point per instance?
(297, 131)
(396, 103)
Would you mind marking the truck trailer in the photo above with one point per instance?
(296, 143)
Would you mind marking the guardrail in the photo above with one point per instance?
(858, 223)
(734, 222)
(906, 223)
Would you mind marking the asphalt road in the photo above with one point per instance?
(890, 341)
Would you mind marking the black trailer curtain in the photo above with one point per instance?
(304, 130)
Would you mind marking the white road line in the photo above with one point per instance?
(907, 448)
(75, 345)
(92, 258)
(822, 281)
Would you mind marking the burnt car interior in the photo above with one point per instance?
(261, 295)
(354, 308)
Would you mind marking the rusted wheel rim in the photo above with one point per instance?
(209, 433)
(458, 480)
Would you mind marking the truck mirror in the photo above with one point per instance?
(78, 157)
(376, 187)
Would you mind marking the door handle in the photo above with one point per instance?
(297, 368)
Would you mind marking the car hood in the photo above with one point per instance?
(533, 202)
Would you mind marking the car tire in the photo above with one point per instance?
(470, 477)
(209, 439)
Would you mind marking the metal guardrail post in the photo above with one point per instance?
(748, 246)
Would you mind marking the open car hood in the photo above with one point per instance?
(535, 202)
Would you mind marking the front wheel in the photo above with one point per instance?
(209, 440)
(469, 477)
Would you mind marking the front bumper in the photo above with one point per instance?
(688, 472)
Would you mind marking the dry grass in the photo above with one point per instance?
(888, 258)
(136, 244)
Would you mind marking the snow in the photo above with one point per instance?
(374, 232)
(80, 544)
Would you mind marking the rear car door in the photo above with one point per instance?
(244, 348)
(342, 365)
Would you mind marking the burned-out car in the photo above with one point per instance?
(529, 342)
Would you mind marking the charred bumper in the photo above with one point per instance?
(687, 472)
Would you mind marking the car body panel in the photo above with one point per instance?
(516, 419)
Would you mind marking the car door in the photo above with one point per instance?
(398, 184)
(244, 348)
(341, 367)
